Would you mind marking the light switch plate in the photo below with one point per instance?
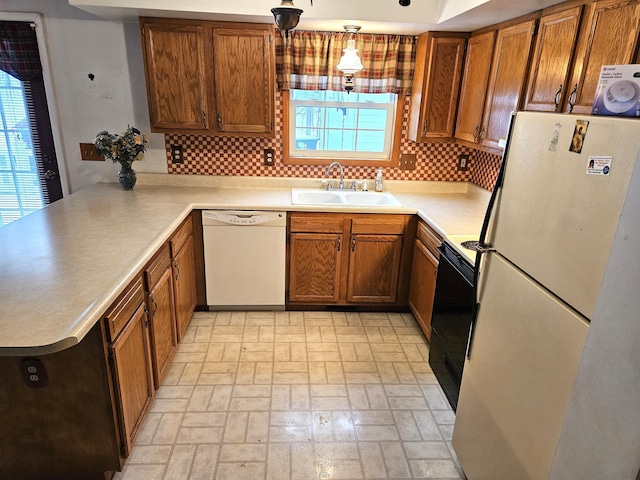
(463, 162)
(88, 152)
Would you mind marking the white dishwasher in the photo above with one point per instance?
(244, 259)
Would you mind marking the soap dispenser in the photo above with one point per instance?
(378, 181)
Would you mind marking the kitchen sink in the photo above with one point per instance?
(306, 196)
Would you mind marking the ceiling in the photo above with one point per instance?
(375, 16)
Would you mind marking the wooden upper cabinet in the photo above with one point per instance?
(609, 36)
(244, 80)
(436, 85)
(213, 78)
(474, 86)
(175, 73)
(507, 81)
(549, 78)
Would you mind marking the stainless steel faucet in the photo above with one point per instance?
(341, 184)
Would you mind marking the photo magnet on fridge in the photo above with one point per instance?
(579, 133)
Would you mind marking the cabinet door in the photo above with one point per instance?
(548, 80)
(163, 325)
(374, 265)
(133, 377)
(184, 275)
(314, 267)
(244, 80)
(474, 86)
(507, 81)
(609, 36)
(423, 286)
(436, 86)
(174, 68)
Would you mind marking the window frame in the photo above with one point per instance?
(291, 159)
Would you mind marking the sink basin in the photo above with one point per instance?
(306, 196)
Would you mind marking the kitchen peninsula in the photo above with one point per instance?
(64, 266)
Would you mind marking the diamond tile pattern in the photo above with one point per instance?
(297, 396)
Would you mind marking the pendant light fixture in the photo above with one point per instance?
(286, 16)
(350, 63)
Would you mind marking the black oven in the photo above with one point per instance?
(453, 312)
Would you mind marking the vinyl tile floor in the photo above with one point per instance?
(297, 396)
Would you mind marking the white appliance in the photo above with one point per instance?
(551, 383)
(244, 258)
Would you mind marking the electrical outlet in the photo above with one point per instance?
(269, 157)
(88, 152)
(33, 372)
(463, 162)
(176, 154)
(408, 161)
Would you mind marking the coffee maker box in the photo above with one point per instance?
(618, 91)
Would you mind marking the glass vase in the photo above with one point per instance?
(127, 177)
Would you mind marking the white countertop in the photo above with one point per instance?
(63, 266)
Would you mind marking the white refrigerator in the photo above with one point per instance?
(551, 384)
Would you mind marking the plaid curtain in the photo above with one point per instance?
(308, 61)
(19, 55)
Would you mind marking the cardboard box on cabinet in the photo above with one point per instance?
(618, 91)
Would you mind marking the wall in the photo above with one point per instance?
(233, 156)
(78, 44)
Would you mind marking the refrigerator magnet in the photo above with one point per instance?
(579, 132)
(599, 165)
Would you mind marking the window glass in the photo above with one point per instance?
(329, 125)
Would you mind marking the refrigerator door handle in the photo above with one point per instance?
(484, 247)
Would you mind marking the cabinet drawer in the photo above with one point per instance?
(181, 235)
(156, 267)
(317, 223)
(430, 238)
(379, 224)
(124, 307)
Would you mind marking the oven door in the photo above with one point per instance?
(453, 312)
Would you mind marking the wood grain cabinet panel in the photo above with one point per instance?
(161, 307)
(507, 81)
(424, 270)
(349, 259)
(609, 36)
(213, 78)
(244, 82)
(175, 73)
(184, 276)
(436, 85)
(473, 91)
(132, 372)
(314, 267)
(374, 264)
(548, 85)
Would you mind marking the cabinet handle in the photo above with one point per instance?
(353, 244)
(572, 97)
(475, 133)
(424, 128)
(556, 100)
(338, 241)
(219, 122)
(482, 133)
(155, 305)
(204, 120)
(175, 265)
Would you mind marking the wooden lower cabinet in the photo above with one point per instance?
(130, 356)
(424, 270)
(160, 304)
(184, 274)
(348, 259)
(374, 266)
(314, 267)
